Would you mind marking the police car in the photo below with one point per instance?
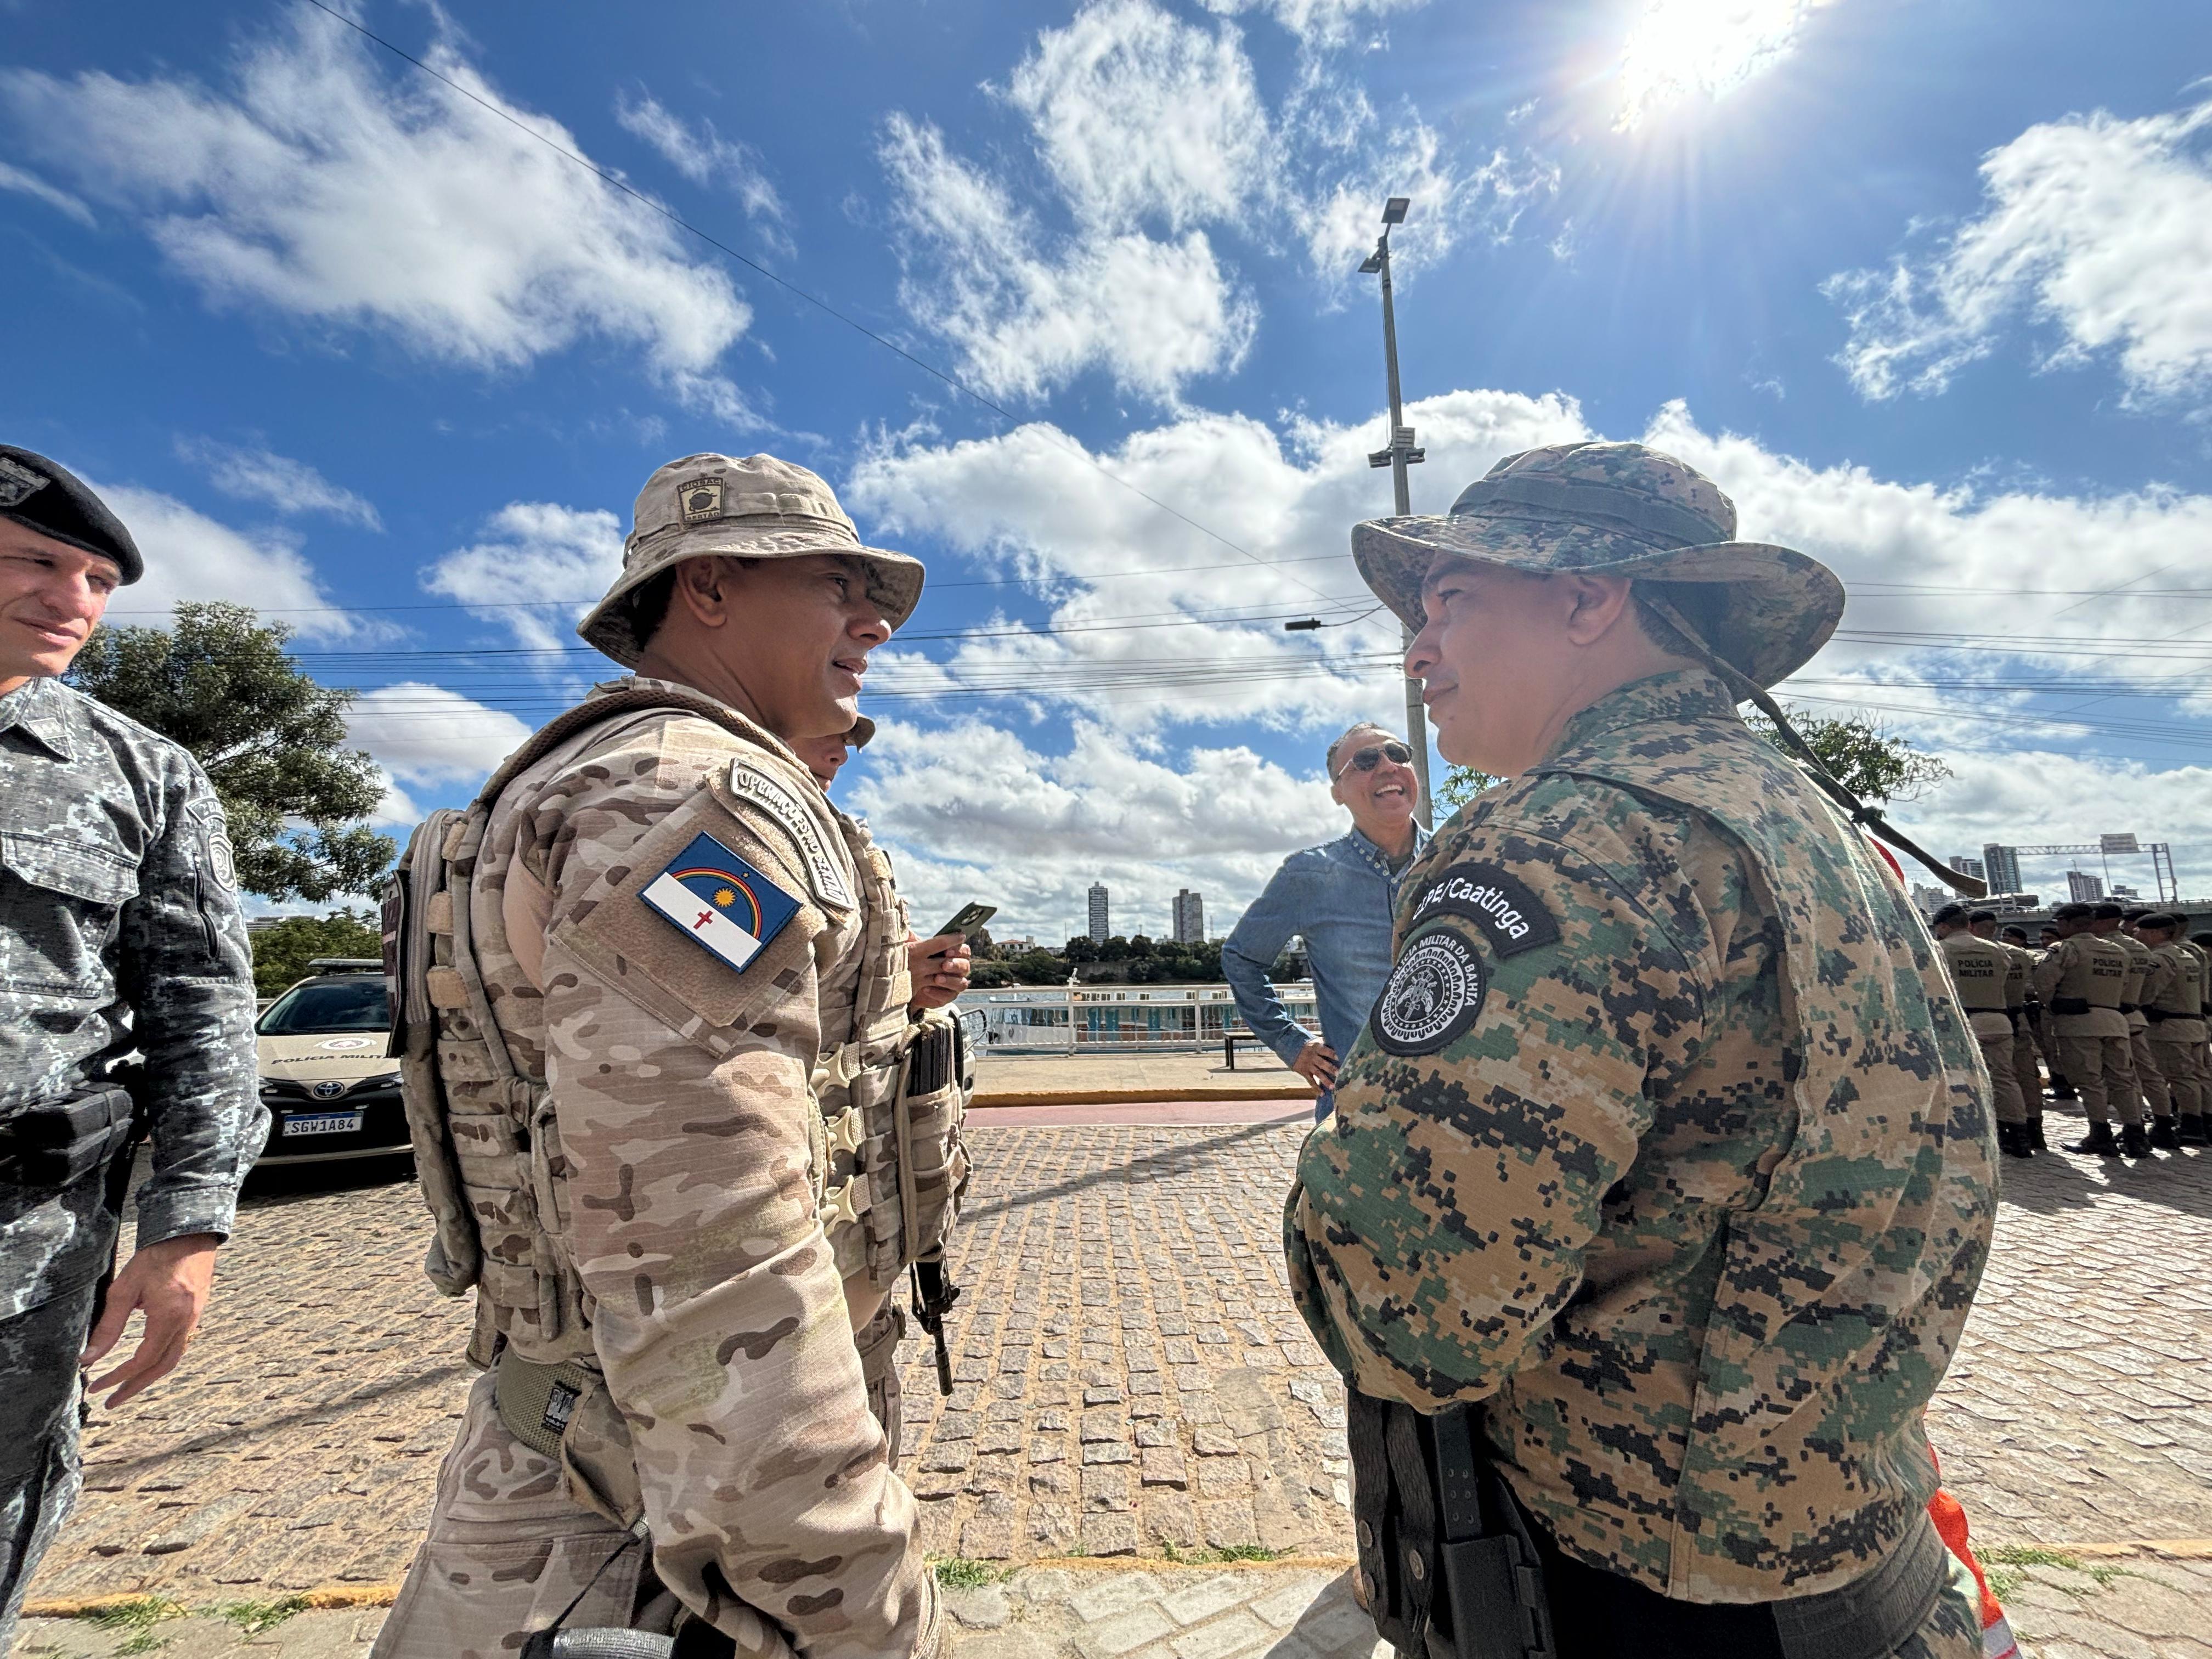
(332, 1090)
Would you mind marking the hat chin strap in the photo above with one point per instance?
(1857, 811)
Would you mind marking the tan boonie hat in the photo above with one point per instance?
(758, 507)
(862, 729)
(1620, 510)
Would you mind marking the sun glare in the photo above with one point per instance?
(1681, 49)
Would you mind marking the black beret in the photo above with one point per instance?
(1949, 912)
(54, 501)
(2074, 911)
(1981, 915)
(2158, 921)
(2109, 911)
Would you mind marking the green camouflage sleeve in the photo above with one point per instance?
(1495, 1095)
(681, 1090)
(187, 974)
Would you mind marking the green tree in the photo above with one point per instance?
(1116, 949)
(1039, 968)
(1873, 763)
(1461, 785)
(283, 950)
(1140, 946)
(273, 742)
(1081, 948)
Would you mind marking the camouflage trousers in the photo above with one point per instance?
(39, 1417)
(508, 1551)
(878, 1342)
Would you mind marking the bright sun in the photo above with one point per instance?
(1684, 48)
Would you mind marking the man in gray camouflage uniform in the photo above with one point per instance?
(120, 931)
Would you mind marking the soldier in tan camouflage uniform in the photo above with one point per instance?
(1665, 1141)
(2026, 1013)
(2173, 1005)
(622, 1135)
(1982, 973)
(2083, 979)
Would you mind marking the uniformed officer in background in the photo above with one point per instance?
(120, 934)
(647, 993)
(938, 968)
(1665, 1075)
(2174, 1008)
(1982, 971)
(2080, 981)
(2026, 1013)
(2146, 987)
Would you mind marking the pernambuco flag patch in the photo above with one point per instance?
(720, 901)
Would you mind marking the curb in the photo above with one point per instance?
(1130, 1096)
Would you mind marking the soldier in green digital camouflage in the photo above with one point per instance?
(1665, 1148)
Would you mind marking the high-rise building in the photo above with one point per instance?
(1189, 918)
(1099, 929)
(2004, 865)
(1966, 866)
(2082, 888)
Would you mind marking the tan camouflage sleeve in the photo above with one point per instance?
(1440, 1218)
(680, 1084)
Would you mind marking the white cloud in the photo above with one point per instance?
(317, 187)
(1149, 314)
(277, 481)
(1341, 220)
(29, 184)
(190, 555)
(425, 735)
(1033, 830)
(536, 561)
(1683, 49)
(1316, 22)
(704, 156)
(2099, 228)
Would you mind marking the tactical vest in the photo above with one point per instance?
(1979, 972)
(889, 1169)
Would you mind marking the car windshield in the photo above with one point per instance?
(356, 1003)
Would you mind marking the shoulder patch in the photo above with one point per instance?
(1435, 993)
(1511, 917)
(720, 901)
(774, 797)
(217, 853)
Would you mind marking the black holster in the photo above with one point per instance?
(59, 1143)
(2067, 1006)
(1448, 1569)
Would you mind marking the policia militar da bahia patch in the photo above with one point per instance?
(720, 901)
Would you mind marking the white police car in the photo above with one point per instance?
(332, 1090)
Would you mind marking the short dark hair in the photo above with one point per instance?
(2014, 928)
(2073, 912)
(649, 601)
(1950, 912)
(2108, 912)
(1981, 915)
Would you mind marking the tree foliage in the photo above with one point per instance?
(272, 740)
(283, 950)
(1873, 763)
(1461, 785)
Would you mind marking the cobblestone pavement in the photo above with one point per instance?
(1092, 1076)
(1130, 1377)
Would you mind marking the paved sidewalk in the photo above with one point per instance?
(1131, 1378)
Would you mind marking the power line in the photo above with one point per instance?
(727, 251)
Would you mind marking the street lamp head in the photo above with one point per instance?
(1393, 210)
(1372, 263)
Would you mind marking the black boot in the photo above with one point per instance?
(2162, 1135)
(2035, 1139)
(2012, 1141)
(2061, 1090)
(2135, 1140)
(2099, 1139)
(2192, 1130)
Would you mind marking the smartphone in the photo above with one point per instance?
(969, 922)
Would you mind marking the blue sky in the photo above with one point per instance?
(1919, 281)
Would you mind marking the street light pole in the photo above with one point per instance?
(1400, 454)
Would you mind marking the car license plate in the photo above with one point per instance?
(323, 1123)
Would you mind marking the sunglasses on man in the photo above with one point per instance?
(1366, 760)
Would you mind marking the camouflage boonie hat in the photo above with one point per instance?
(758, 507)
(1619, 510)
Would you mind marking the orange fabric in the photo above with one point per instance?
(1950, 1518)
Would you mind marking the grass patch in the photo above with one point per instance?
(1213, 1558)
(2001, 1564)
(959, 1572)
(138, 1616)
(255, 1617)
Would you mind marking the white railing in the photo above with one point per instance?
(1119, 1018)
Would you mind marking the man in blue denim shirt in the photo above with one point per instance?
(1339, 897)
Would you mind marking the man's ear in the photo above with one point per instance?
(1595, 604)
(702, 588)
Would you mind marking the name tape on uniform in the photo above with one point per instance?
(1512, 918)
(719, 900)
(823, 871)
(1434, 993)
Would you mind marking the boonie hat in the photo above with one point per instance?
(1619, 510)
(45, 496)
(758, 507)
(862, 729)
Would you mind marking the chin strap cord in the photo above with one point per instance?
(1868, 818)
